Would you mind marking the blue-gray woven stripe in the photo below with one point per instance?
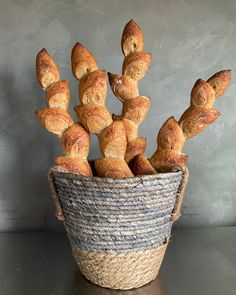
(114, 216)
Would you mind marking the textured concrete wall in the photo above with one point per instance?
(188, 39)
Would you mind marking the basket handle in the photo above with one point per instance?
(59, 213)
(180, 193)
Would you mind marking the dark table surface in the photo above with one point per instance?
(198, 261)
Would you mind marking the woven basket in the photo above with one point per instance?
(118, 228)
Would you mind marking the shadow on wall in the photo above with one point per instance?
(25, 198)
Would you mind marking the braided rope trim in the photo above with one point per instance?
(120, 271)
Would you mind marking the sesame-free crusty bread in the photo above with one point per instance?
(125, 88)
(56, 119)
(95, 117)
(198, 116)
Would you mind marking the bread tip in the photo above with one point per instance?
(75, 108)
(131, 21)
(77, 44)
(199, 80)
(111, 77)
(229, 71)
(110, 74)
(116, 117)
(43, 50)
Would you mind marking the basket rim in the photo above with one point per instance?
(105, 180)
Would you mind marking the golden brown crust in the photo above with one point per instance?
(75, 141)
(47, 71)
(112, 168)
(202, 94)
(136, 109)
(93, 88)
(112, 141)
(195, 119)
(74, 165)
(55, 120)
(165, 160)
(136, 64)
(93, 117)
(220, 81)
(58, 95)
(82, 61)
(135, 147)
(170, 136)
(141, 166)
(131, 129)
(132, 38)
(123, 87)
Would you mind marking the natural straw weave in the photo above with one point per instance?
(118, 228)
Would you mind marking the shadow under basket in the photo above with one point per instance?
(118, 228)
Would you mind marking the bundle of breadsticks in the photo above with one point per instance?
(122, 150)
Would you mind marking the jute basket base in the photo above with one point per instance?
(120, 271)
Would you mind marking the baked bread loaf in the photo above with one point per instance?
(82, 61)
(220, 82)
(135, 147)
(165, 160)
(74, 165)
(136, 64)
(112, 141)
(140, 165)
(47, 71)
(201, 113)
(132, 38)
(194, 120)
(136, 109)
(75, 142)
(58, 95)
(56, 119)
(112, 168)
(131, 129)
(125, 88)
(95, 117)
(170, 141)
(93, 88)
(202, 94)
(118, 137)
(170, 136)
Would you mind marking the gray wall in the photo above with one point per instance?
(188, 39)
